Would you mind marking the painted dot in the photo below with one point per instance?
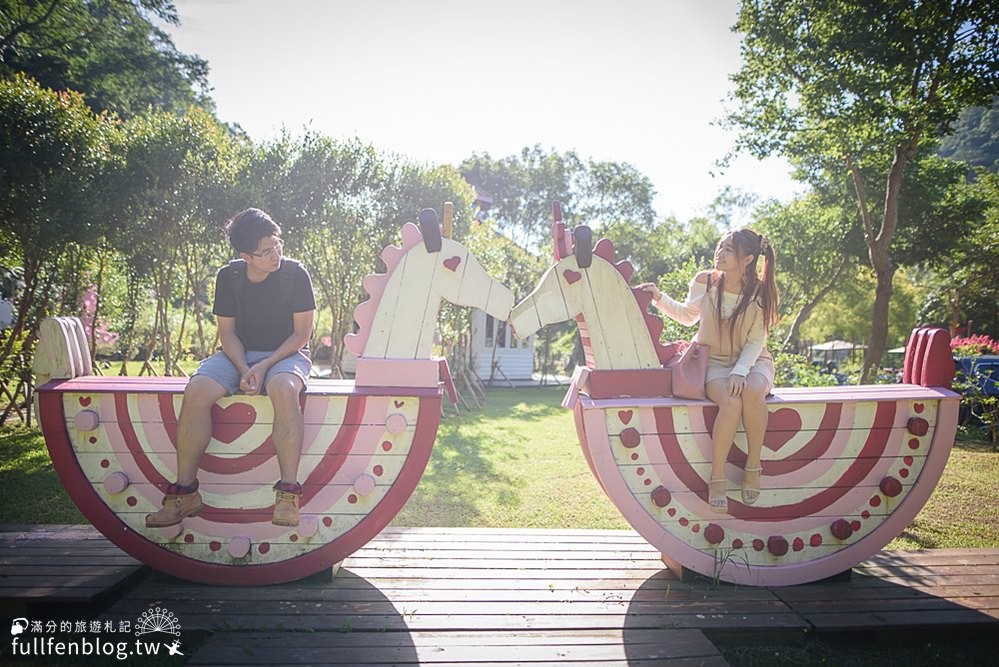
(634, 456)
(630, 437)
(294, 537)
(913, 444)
(639, 471)
(855, 525)
(798, 544)
(352, 499)
(214, 545)
(671, 511)
(378, 470)
(918, 426)
(105, 463)
(132, 501)
(396, 423)
(758, 545)
(841, 529)
(189, 538)
(875, 501)
(737, 543)
(815, 540)
(903, 473)
(865, 515)
(327, 521)
(264, 547)
(684, 521)
(890, 486)
(696, 528)
(387, 446)
(908, 460)
(777, 545)
(92, 440)
(661, 496)
(714, 534)
(239, 546)
(647, 482)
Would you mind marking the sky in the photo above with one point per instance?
(434, 81)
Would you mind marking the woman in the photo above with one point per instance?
(736, 305)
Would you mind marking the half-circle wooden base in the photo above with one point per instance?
(112, 441)
(845, 469)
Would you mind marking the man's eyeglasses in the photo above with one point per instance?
(270, 253)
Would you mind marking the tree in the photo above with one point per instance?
(811, 241)
(524, 186)
(855, 88)
(110, 50)
(174, 196)
(54, 189)
(975, 139)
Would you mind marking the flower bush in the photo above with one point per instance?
(973, 346)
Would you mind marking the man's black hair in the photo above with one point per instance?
(247, 228)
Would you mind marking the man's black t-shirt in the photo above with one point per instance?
(265, 318)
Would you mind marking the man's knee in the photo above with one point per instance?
(284, 389)
(203, 392)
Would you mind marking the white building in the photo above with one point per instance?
(493, 342)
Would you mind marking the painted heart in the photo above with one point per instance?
(624, 416)
(84, 401)
(919, 407)
(782, 425)
(451, 264)
(399, 404)
(571, 276)
(231, 422)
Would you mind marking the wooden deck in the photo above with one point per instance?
(480, 597)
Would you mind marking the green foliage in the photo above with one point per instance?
(975, 139)
(110, 50)
(796, 370)
(524, 186)
(852, 90)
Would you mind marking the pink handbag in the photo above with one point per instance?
(689, 368)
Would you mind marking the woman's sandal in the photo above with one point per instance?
(751, 492)
(717, 498)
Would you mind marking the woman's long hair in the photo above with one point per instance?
(756, 284)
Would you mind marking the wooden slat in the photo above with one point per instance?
(479, 596)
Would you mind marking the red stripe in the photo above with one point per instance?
(869, 456)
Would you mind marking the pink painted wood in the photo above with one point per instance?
(363, 455)
(845, 469)
(113, 440)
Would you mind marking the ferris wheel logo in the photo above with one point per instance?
(157, 619)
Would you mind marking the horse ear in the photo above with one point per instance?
(582, 246)
(562, 249)
(431, 230)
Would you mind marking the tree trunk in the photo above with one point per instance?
(805, 312)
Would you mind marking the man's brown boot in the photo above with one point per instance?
(178, 503)
(286, 500)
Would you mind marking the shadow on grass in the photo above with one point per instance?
(30, 490)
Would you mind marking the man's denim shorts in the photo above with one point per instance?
(219, 368)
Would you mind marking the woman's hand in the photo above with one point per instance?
(651, 289)
(736, 383)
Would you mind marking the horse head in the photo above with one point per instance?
(586, 285)
(400, 318)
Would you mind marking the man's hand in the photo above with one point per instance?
(252, 381)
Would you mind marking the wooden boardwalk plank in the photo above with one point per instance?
(510, 596)
(59, 564)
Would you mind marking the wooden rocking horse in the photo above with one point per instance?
(845, 469)
(367, 441)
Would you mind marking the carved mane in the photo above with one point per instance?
(605, 249)
(374, 285)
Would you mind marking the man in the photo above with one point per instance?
(265, 310)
